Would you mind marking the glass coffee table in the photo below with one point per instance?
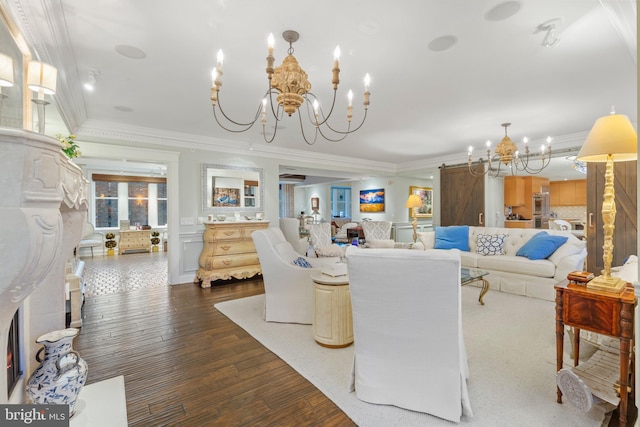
(471, 275)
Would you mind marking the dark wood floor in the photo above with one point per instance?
(186, 364)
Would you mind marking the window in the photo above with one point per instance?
(106, 204)
(341, 202)
(138, 199)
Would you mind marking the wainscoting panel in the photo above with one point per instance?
(191, 245)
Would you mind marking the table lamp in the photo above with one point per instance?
(612, 139)
(414, 202)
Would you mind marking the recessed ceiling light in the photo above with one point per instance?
(130, 51)
(503, 11)
(442, 43)
(123, 109)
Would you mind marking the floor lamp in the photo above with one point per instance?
(612, 139)
(414, 202)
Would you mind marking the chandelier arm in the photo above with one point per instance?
(344, 135)
(275, 128)
(304, 136)
(248, 126)
(325, 118)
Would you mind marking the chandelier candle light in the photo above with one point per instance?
(507, 154)
(289, 82)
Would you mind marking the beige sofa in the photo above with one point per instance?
(516, 274)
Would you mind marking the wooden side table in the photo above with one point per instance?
(332, 319)
(604, 313)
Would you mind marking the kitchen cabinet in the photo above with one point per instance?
(530, 186)
(568, 193)
(518, 224)
(513, 190)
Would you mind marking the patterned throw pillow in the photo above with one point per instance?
(490, 244)
(301, 262)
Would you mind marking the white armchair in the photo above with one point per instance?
(376, 230)
(288, 288)
(407, 325)
(320, 238)
(341, 234)
(291, 229)
(91, 238)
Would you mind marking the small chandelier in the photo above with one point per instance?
(507, 154)
(291, 87)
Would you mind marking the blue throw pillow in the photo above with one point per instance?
(541, 246)
(301, 262)
(452, 237)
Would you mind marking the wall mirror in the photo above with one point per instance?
(11, 109)
(232, 189)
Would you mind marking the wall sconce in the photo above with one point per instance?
(6, 77)
(41, 78)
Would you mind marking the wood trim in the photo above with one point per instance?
(127, 178)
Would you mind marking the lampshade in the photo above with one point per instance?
(41, 76)
(613, 134)
(6, 70)
(414, 201)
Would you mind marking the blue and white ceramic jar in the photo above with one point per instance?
(61, 374)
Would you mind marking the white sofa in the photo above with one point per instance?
(516, 274)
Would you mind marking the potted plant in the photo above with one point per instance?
(155, 240)
(110, 243)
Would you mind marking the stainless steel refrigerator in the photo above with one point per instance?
(541, 210)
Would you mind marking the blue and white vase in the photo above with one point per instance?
(61, 374)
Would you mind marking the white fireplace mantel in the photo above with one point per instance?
(43, 208)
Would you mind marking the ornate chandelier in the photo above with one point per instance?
(291, 87)
(507, 154)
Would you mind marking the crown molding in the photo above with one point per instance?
(108, 132)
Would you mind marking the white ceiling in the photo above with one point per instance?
(427, 105)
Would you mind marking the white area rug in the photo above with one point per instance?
(511, 348)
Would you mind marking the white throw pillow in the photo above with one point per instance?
(490, 244)
(330, 250)
(568, 248)
(427, 238)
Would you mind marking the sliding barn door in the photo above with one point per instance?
(626, 225)
(461, 197)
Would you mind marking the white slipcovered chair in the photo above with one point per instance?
(341, 234)
(288, 288)
(320, 238)
(291, 229)
(376, 230)
(91, 238)
(409, 349)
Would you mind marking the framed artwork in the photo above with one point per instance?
(426, 195)
(226, 196)
(372, 200)
(315, 203)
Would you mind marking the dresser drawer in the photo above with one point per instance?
(225, 234)
(226, 261)
(231, 247)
